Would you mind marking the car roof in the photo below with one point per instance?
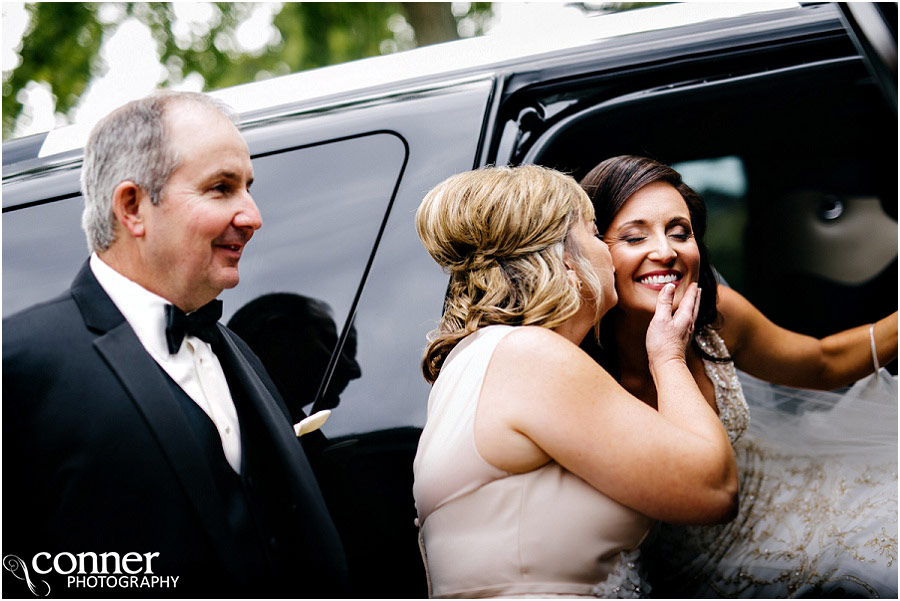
(461, 59)
(471, 54)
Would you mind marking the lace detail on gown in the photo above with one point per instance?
(626, 580)
(816, 517)
(733, 410)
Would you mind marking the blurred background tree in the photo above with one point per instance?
(61, 45)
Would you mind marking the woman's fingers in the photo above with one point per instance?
(668, 333)
(687, 308)
(664, 301)
(697, 305)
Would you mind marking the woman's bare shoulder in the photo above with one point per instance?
(541, 356)
(537, 342)
(532, 338)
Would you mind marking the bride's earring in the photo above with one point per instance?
(573, 277)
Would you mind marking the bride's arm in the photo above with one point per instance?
(781, 356)
(544, 398)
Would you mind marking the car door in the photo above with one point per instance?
(348, 177)
(776, 122)
(873, 28)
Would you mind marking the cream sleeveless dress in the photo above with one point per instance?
(489, 533)
(818, 496)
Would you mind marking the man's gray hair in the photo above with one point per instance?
(131, 143)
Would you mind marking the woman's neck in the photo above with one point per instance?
(574, 330)
(629, 341)
(576, 327)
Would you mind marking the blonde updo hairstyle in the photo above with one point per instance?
(501, 232)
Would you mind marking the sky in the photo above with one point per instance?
(133, 70)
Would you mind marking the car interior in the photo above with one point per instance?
(798, 170)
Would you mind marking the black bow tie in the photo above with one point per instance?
(201, 323)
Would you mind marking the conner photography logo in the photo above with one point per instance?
(88, 571)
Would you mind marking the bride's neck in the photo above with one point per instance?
(630, 333)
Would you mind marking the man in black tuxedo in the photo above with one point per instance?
(136, 426)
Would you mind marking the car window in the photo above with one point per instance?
(322, 208)
(43, 248)
(722, 183)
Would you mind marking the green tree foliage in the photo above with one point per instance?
(61, 51)
(61, 45)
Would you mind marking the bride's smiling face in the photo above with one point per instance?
(652, 243)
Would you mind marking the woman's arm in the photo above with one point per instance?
(777, 355)
(544, 398)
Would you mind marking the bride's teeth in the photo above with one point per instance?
(659, 279)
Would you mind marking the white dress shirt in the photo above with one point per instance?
(195, 368)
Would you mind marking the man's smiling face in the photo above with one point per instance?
(196, 234)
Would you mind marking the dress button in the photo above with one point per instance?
(227, 429)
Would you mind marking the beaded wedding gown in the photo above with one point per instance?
(818, 495)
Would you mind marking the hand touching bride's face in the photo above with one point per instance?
(652, 243)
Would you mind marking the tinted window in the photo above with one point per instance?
(722, 182)
(322, 208)
(43, 247)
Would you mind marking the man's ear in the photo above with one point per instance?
(127, 199)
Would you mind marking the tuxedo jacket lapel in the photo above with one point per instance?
(145, 384)
(275, 417)
(314, 541)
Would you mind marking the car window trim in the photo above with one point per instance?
(544, 141)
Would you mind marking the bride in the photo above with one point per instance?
(536, 473)
(818, 482)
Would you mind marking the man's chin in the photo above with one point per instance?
(228, 278)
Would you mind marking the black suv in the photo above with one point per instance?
(784, 120)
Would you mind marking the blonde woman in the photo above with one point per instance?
(536, 473)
